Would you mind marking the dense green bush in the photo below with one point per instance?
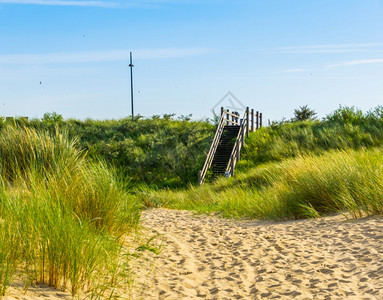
(345, 114)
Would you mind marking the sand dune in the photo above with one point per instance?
(212, 258)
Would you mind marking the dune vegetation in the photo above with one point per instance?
(66, 196)
(157, 151)
(345, 128)
(61, 215)
(71, 190)
(305, 186)
(297, 169)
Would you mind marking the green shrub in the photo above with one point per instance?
(346, 128)
(346, 114)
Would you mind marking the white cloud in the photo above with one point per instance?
(100, 56)
(356, 62)
(331, 48)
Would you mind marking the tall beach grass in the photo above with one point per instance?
(61, 216)
(306, 186)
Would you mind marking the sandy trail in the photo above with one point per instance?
(212, 258)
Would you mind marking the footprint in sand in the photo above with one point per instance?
(214, 258)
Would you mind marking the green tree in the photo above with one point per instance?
(304, 113)
(52, 118)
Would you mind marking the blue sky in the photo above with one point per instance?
(72, 57)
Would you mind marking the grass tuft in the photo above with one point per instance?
(61, 215)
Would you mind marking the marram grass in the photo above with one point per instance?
(287, 140)
(307, 186)
(61, 216)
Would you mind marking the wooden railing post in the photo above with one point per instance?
(247, 122)
(257, 123)
(227, 117)
(260, 120)
(252, 120)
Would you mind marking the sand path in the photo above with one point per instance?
(212, 258)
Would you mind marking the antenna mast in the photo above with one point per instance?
(131, 83)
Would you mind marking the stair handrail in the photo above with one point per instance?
(213, 149)
(251, 122)
(239, 142)
(234, 117)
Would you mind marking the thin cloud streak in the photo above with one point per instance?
(335, 46)
(101, 56)
(331, 48)
(96, 3)
(63, 3)
(356, 63)
(313, 51)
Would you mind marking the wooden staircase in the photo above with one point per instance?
(226, 146)
(224, 149)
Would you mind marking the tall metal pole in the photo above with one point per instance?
(131, 83)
